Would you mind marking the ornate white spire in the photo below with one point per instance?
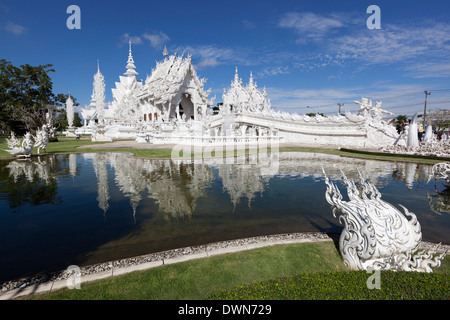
(165, 53)
(250, 82)
(131, 72)
(99, 93)
(236, 76)
(69, 111)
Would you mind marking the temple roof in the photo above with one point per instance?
(246, 97)
(169, 76)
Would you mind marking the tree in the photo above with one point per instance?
(26, 97)
(61, 122)
(313, 114)
(401, 118)
(440, 119)
(216, 108)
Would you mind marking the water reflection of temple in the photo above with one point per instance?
(176, 185)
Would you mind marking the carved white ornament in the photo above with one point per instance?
(20, 149)
(376, 235)
(41, 139)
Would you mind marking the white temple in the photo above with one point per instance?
(172, 107)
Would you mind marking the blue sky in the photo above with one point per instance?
(306, 53)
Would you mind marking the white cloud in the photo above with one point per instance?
(309, 25)
(249, 24)
(319, 100)
(397, 98)
(213, 55)
(420, 50)
(393, 44)
(157, 39)
(13, 28)
(273, 71)
(209, 62)
(429, 70)
(125, 38)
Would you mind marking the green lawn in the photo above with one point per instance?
(298, 271)
(369, 155)
(72, 146)
(347, 285)
(75, 146)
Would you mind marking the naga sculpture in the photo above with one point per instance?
(18, 149)
(376, 235)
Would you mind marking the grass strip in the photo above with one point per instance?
(200, 278)
(295, 271)
(395, 155)
(349, 285)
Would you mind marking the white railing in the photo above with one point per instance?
(209, 141)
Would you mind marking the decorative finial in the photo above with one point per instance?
(165, 53)
(130, 64)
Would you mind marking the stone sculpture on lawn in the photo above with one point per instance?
(41, 139)
(20, 149)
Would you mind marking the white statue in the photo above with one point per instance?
(367, 109)
(12, 141)
(377, 111)
(41, 139)
(24, 149)
(376, 235)
(365, 106)
(49, 122)
(428, 133)
(413, 138)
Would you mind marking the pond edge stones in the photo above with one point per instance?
(58, 280)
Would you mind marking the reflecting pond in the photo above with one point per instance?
(88, 208)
